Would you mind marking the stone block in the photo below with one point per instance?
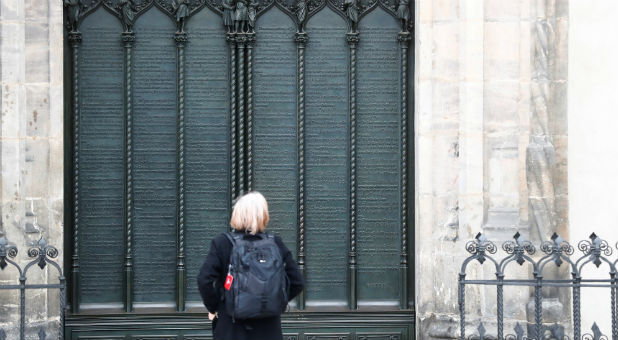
(12, 10)
(525, 51)
(445, 10)
(56, 169)
(445, 39)
(471, 214)
(501, 50)
(445, 164)
(501, 10)
(438, 327)
(12, 149)
(472, 10)
(56, 112)
(37, 53)
(36, 168)
(424, 106)
(425, 11)
(37, 110)
(501, 109)
(13, 103)
(36, 10)
(562, 8)
(445, 106)
(471, 108)
(471, 164)
(12, 54)
(424, 51)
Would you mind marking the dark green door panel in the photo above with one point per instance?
(327, 177)
(207, 194)
(154, 158)
(274, 121)
(100, 160)
(378, 159)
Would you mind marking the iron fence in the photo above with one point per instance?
(41, 253)
(555, 252)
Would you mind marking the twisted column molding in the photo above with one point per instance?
(75, 39)
(301, 39)
(128, 39)
(231, 39)
(250, 43)
(352, 39)
(181, 40)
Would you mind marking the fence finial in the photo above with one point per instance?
(518, 248)
(42, 250)
(479, 246)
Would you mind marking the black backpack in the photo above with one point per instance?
(256, 285)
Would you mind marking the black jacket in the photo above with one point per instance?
(210, 282)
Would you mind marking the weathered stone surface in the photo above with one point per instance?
(31, 145)
(476, 113)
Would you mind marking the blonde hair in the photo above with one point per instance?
(250, 213)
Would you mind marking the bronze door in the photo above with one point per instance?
(172, 116)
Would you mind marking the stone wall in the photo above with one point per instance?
(31, 143)
(491, 146)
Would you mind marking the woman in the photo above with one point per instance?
(249, 217)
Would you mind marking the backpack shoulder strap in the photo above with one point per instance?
(230, 237)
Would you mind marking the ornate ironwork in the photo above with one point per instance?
(596, 334)
(41, 254)
(519, 333)
(518, 248)
(557, 252)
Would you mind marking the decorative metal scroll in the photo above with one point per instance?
(41, 254)
(556, 252)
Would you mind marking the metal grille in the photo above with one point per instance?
(41, 253)
(554, 253)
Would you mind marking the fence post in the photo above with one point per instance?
(462, 306)
(500, 302)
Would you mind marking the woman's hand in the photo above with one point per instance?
(211, 316)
